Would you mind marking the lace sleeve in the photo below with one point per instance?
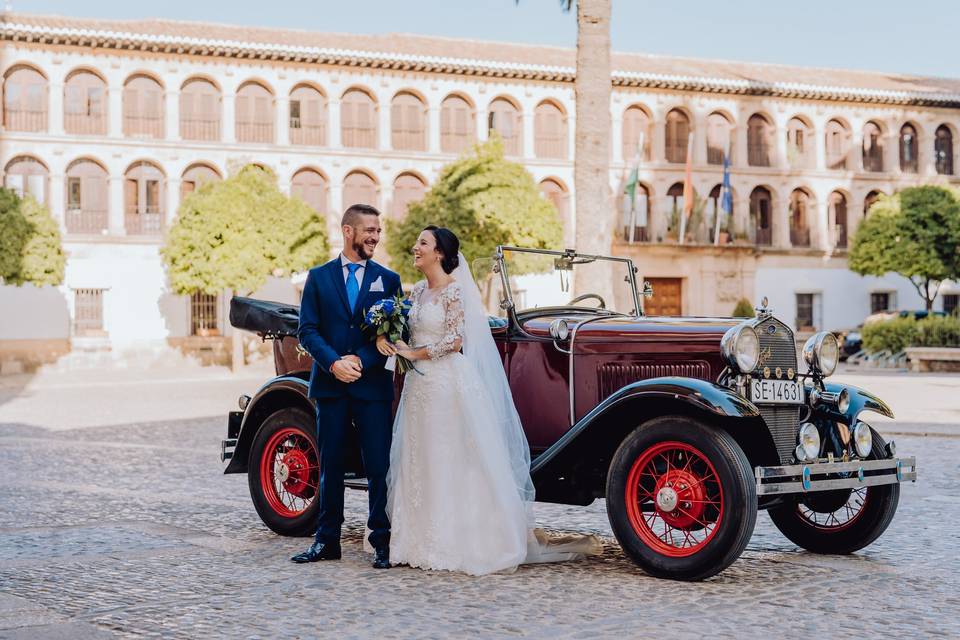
(452, 301)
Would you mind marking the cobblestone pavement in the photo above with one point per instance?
(132, 530)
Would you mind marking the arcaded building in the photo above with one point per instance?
(111, 123)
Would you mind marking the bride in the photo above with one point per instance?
(459, 488)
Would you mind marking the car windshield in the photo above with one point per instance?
(540, 279)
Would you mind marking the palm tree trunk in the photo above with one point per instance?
(591, 165)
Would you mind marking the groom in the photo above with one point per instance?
(348, 380)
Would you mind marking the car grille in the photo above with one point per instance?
(782, 420)
(613, 376)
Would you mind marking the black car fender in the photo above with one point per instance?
(578, 461)
(279, 393)
(860, 401)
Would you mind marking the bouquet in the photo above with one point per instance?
(389, 318)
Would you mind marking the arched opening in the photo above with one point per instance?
(28, 177)
(674, 209)
(677, 136)
(85, 104)
(458, 125)
(761, 216)
(308, 116)
(549, 131)
(143, 199)
(360, 188)
(636, 213)
(254, 113)
(195, 176)
(358, 120)
(407, 189)
(200, 110)
(504, 117)
(637, 125)
(872, 147)
(868, 202)
(718, 137)
(310, 186)
(87, 195)
(142, 107)
(837, 210)
(759, 139)
(408, 122)
(716, 207)
(909, 147)
(24, 99)
(837, 141)
(799, 144)
(943, 150)
(800, 211)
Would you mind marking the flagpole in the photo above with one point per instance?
(687, 188)
(719, 206)
(633, 202)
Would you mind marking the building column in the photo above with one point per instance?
(781, 221)
(820, 146)
(483, 129)
(658, 145)
(57, 201)
(333, 133)
(823, 226)
(700, 139)
(115, 209)
(115, 112)
(333, 221)
(572, 138)
(780, 145)
(173, 201)
(383, 128)
(433, 130)
(229, 133)
(739, 157)
(529, 139)
(926, 160)
(55, 109)
(616, 139)
(171, 114)
(282, 121)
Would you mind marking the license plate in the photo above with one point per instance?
(776, 391)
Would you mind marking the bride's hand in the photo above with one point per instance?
(385, 347)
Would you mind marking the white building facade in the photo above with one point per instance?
(111, 123)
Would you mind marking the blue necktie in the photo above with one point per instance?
(353, 287)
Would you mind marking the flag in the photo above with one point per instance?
(726, 198)
(634, 216)
(687, 188)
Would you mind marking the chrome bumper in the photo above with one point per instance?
(824, 476)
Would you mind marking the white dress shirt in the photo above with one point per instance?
(344, 261)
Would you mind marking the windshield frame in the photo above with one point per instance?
(510, 306)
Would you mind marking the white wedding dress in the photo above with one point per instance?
(459, 489)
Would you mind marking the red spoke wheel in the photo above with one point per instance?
(839, 521)
(681, 498)
(284, 472)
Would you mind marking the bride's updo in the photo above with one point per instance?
(448, 245)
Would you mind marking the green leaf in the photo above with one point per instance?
(31, 249)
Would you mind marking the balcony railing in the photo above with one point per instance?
(409, 140)
(758, 155)
(86, 221)
(640, 234)
(764, 237)
(197, 129)
(359, 137)
(23, 120)
(714, 155)
(149, 223)
(255, 132)
(800, 237)
(145, 126)
(307, 134)
(550, 148)
(85, 125)
(454, 142)
(840, 233)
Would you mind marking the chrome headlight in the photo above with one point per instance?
(808, 438)
(862, 439)
(741, 348)
(822, 353)
(559, 329)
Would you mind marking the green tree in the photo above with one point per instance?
(743, 309)
(31, 249)
(486, 201)
(235, 233)
(915, 233)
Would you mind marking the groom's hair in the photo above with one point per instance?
(351, 217)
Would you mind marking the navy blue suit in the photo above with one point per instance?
(328, 330)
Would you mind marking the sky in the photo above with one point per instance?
(915, 37)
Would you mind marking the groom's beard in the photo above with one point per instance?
(363, 250)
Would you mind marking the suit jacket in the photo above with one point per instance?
(328, 330)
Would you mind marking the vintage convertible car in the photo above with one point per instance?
(687, 426)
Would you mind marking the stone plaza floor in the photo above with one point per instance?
(116, 520)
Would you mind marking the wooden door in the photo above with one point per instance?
(667, 297)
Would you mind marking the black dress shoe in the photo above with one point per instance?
(318, 551)
(382, 559)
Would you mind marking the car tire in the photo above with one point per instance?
(284, 473)
(842, 521)
(699, 471)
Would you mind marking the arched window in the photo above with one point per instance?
(308, 116)
(872, 147)
(715, 204)
(143, 199)
(838, 219)
(674, 209)
(504, 118)
(87, 197)
(143, 107)
(761, 216)
(311, 187)
(254, 113)
(872, 197)
(458, 126)
(358, 120)
(837, 140)
(799, 218)
(408, 122)
(24, 100)
(85, 104)
(908, 149)
(799, 144)
(407, 189)
(637, 123)
(718, 137)
(360, 188)
(195, 176)
(636, 222)
(677, 134)
(549, 131)
(943, 150)
(759, 138)
(28, 177)
(199, 110)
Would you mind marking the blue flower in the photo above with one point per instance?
(388, 307)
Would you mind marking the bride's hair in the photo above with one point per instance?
(448, 245)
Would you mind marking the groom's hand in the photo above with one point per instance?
(346, 369)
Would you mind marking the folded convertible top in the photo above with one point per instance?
(269, 319)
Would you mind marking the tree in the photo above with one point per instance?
(485, 200)
(743, 309)
(31, 249)
(915, 233)
(235, 233)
